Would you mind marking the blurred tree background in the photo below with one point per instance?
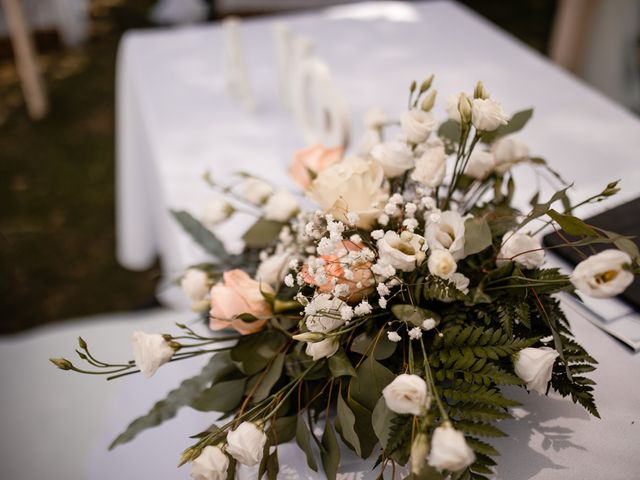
(57, 236)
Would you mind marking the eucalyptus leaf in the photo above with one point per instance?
(383, 349)
(366, 387)
(515, 124)
(572, 225)
(282, 430)
(221, 397)
(202, 235)
(253, 352)
(330, 452)
(381, 421)
(303, 439)
(477, 235)
(266, 381)
(340, 365)
(262, 233)
(347, 422)
(449, 131)
(414, 316)
(625, 244)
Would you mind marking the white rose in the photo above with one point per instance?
(370, 138)
(430, 167)
(150, 352)
(401, 252)
(216, 211)
(281, 206)
(449, 450)
(353, 185)
(487, 114)
(255, 191)
(521, 248)
(452, 101)
(322, 349)
(507, 151)
(603, 275)
(323, 313)
(407, 394)
(211, 464)
(534, 366)
(246, 444)
(195, 284)
(480, 164)
(447, 233)
(441, 264)
(460, 281)
(375, 118)
(273, 269)
(395, 158)
(417, 125)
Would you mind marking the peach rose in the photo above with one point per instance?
(238, 293)
(310, 161)
(334, 268)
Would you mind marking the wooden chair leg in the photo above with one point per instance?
(33, 87)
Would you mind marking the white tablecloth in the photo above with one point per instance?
(175, 119)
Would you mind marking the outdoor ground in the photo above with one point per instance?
(57, 238)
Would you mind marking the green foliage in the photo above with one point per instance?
(303, 439)
(202, 235)
(436, 288)
(477, 235)
(516, 123)
(262, 233)
(329, 451)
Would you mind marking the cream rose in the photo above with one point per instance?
(407, 394)
(523, 249)
(604, 274)
(447, 234)
(353, 185)
(323, 313)
(370, 138)
(237, 294)
(375, 118)
(150, 352)
(487, 114)
(403, 252)
(449, 450)
(451, 108)
(395, 158)
(430, 167)
(480, 164)
(308, 162)
(254, 190)
(417, 125)
(281, 206)
(273, 269)
(507, 151)
(534, 366)
(246, 443)
(195, 285)
(322, 349)
(441, 263)
(211, 464)
(216, 211)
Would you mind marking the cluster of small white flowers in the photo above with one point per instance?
(415, 333)
(336, 229)
(353, 218)
(394, 336)
(410, 209)
(346, 313)
(363, 308)
(288, 280)
(341, 290)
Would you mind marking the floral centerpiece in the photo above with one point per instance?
(388, 317)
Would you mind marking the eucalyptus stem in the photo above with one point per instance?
(432, 385)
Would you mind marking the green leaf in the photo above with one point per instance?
(303, 439)
(572, 225)
(221, 397)
(340, 365)
(449, 132)
(383, 349)
(625, 244)
(477, 235)
(414, 316)
(282, 430)
(330, 452)
(366, 387)
(347, 421)
(381, 420)
(202, 235)
(540, 209)
(267, 381)
(515, 124)
(262, 233)
(363, 427)
(177, 398)
(253, 352)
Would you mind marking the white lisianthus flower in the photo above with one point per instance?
(370, 138)
(195, 284)
(407, 394)
(281, 206)
(211, 464)
(449, 450)
(460, 281)
(402, 252)
(487, 114)
(322, 349)
(323, 313)
(534, 366)
(353, 185)
(604, 274)
(447, 233)
(417, 125)
(480, 164)
(507, 151)
(150, 352)
(255, 191)
(216, 211)
(246, 443)
(452, 101)
(442, 264)
(374, 118)
(521, 248)
(395, 158)
(273, 269)
(430, 167)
